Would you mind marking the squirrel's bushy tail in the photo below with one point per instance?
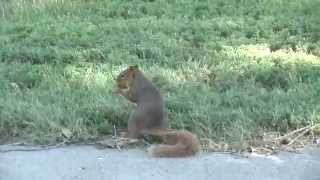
(179, 143)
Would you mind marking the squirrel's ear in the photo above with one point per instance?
(134, 67)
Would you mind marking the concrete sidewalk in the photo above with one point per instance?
(89, 163)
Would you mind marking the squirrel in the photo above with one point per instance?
(149, 113)
(148, 117)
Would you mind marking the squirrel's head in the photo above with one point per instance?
(125, 80)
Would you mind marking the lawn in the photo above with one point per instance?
(229, 70)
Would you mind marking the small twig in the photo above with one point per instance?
(16, 144)
(314, 126)
(291, 133)
(114, 131)
(299, 136)
(303, 133)
(34, 149)
(115, 137)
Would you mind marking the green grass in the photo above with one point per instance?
(227, 68)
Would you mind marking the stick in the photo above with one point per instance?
(34, 149)
(115, 137)
(310, 128)
(299, 136)
(292, 132)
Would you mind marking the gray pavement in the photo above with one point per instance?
(89, 163)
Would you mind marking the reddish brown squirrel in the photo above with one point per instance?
(148, 117)
(149, 113)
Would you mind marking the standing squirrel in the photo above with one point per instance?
(148, 117)
(149, 113)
